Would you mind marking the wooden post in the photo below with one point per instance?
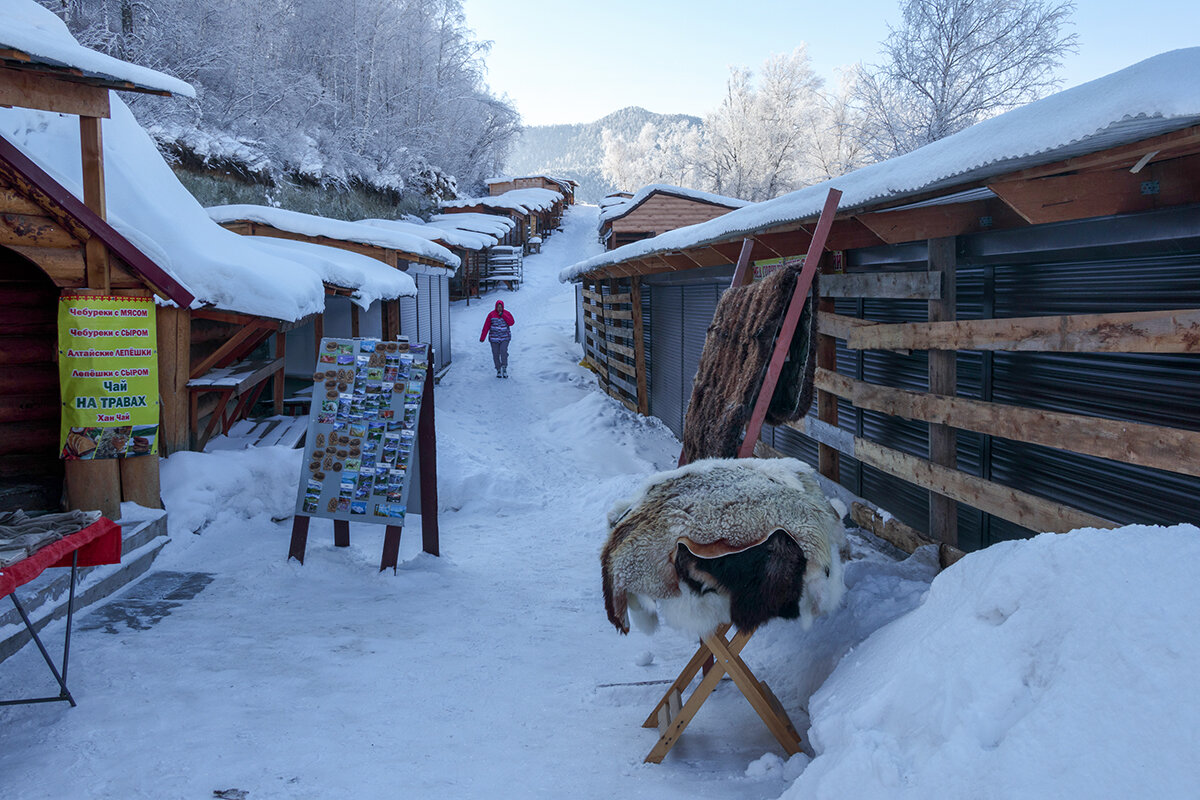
(94, 485)
(639, 346)
(280, 352)
(318, 332)
(353, 321)
(91, 145)
(174, 368)
(427, 443)
(828, 459)
(943, 380)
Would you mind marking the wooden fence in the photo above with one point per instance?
(613, 344)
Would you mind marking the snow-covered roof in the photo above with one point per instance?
(148, 205)
(523, 201)
(455, 237)
(616, 210)
(492, 224)
(1150, 98)
(369, 278)
(36, 32)
(566, 183)
(312, 225)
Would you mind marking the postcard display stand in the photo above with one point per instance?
(372, 403)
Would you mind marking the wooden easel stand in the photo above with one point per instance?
(671, 716)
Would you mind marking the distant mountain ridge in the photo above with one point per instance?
(574, 151)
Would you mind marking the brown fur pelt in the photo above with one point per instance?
(723, 540)
(734, 363)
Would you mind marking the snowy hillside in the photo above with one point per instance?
(574, 151)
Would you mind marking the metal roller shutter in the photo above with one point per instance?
(666, 353)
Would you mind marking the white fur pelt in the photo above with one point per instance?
(665, 542)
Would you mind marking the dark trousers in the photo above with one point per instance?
(500, 354)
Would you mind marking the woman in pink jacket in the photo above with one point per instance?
(496, 328)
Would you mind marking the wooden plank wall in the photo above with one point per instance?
(612, 344)
(1158, 447)
(666, 213)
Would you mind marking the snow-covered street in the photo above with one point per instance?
(1058, 667)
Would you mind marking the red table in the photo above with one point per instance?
(98, 543)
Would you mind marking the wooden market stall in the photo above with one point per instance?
(658, 208)
(53, 242)
(537, 212)
(564, 186)
(424, 318)
(1007, 342)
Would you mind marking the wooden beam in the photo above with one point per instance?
(34, 231)
(1020, 508)
(278, 387)
(1133, 332)
(1170, 144)
(45, 92)
(1170, 449)
(639, 347)
(228, 350)
(829, 462)
(850, 234)
(890, 285)
(839, 325)
(174, 370)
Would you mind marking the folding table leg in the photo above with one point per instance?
(702, 655)
(341, 533)
(64, 692)
(299, 538)
(391, 548)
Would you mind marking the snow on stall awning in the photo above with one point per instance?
(410, 247)
(491, 224)
(368, 279)
(1150, 98)
(148, 206)
(467, 240)
(33, 31)
(619, 209)
(522, 201)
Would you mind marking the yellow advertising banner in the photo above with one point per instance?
(108, 375)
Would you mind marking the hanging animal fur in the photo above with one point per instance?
(734, 362)
(723, 540)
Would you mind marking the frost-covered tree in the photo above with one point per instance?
(669, 154)
(757, 138)
(952, 63)
(386, 93)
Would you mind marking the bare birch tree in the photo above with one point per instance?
(952, 63)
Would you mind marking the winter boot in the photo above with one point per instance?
(499, 374)
(504, 372)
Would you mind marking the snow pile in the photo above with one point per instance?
(229, 487)
(150, 207)
(1062, 666)
(35, 30)
(370, 278)
(1151, 97)
(312, 225)
(616, 210)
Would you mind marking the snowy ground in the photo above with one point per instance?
(492, 672)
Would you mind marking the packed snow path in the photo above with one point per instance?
(488, 672)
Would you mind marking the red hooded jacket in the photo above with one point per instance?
(497, 324)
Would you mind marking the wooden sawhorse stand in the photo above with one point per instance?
(671, 716)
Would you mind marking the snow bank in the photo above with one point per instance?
(312, 225)
(149, 206)
(1151, 97)
(35, 30)
(370, 278)
(617, 210)
(1062, 666)
(229, 487)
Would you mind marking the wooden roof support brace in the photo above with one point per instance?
(790, 320)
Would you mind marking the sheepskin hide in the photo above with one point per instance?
(734, 363)
(723, 540)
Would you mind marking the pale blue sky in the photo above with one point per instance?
(571, 61)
